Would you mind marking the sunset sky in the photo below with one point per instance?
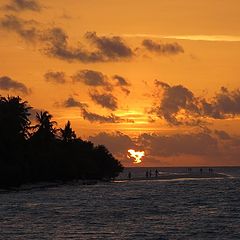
(160, 76)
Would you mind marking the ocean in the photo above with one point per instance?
(146, 209)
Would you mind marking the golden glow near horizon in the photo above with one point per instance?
(136, 155)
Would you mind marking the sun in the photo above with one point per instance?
(136, 155)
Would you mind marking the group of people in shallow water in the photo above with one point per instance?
(150, 174)
(210, 170)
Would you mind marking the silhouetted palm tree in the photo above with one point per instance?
(45, 127)
(67, 134)
(14, 121)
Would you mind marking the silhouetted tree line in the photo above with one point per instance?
(41, 152)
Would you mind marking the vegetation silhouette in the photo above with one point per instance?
(42, 152)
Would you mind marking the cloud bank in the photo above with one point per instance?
(207, 146)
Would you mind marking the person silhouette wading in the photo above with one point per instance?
(129, 175)
(146, 174)
(156, 173)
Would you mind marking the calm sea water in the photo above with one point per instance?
(182, 209)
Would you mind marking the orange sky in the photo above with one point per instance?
(208, 33)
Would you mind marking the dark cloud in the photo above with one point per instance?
(72, 102)
(55, 77)
(161, 84)
(178, 105)
(56, 41)
(98, 79)
(225, 104)
(106, 100)
(122, 83)
(91, 78)
(106, 49)
(21, 5)
(94, 117)
(125, 90)
(112, 48)
(162, 48)
(6, 83)
(118, 143)
(174, 100)
(26, 29)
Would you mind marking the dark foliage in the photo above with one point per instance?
(42, 152)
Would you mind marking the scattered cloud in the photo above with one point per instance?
(72, 102)
(175, 101)
(22, 5)
(121, 81)
(111, 48)
(125, 90)
(55, 77)
(106, 49)
(26, 29)
(106, 100)
(92, 78)
(90, 116)
(94, 117)
(162, 48)
(225, 104)
(6, 83)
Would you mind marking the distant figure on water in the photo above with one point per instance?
(150, 173)
(210, 170)
(156, 173)
(147, 174)
(129, 175)
(201, 171)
